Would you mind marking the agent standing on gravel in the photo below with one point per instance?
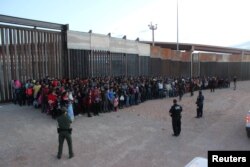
(64, 132)
(199, 103)
(235, 80)
(175, 113)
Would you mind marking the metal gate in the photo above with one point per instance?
(29, 50)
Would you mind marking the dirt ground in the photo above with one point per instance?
(138, 136)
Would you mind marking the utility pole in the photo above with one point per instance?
(153, 28)
(177, 43)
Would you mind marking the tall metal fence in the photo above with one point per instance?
(226, 69)
(35, 49)
(171, 68)
(89, 63)
(28, 52)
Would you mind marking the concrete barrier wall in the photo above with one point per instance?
(78, 40)
(91, 41)
(104, 55)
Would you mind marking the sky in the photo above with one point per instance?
(210, 22)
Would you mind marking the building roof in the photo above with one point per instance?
(200, 47)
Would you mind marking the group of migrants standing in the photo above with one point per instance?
(104, 94)
(65, 98)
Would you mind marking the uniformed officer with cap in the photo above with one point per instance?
(64, 132)
(175, 113)
(199, 103)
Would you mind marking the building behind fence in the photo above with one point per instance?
(35, 49)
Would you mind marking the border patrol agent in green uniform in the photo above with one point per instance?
(64, 132)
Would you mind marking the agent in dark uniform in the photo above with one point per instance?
(191, 87)
(199, 103)
(64, 132)
(235, 80)
(175, 113)
(213, 84)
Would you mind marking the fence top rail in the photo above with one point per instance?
(50, 31)
(33, 23)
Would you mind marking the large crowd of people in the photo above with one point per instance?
(91, 96)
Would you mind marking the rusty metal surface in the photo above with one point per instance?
(28, 53)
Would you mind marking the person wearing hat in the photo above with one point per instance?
(199, 103)
(175, 113)
(64, 132)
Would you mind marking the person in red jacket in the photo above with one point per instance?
(29, 95)
(55, 83)
(52, 101)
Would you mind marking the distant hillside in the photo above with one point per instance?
(245, 45)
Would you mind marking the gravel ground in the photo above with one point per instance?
(138, 136)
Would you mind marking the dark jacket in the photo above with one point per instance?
(64, 122)
(175, 111)
(200, 100)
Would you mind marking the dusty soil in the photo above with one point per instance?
(138, 136)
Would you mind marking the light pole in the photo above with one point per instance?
(153, 28)
(177, 43)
